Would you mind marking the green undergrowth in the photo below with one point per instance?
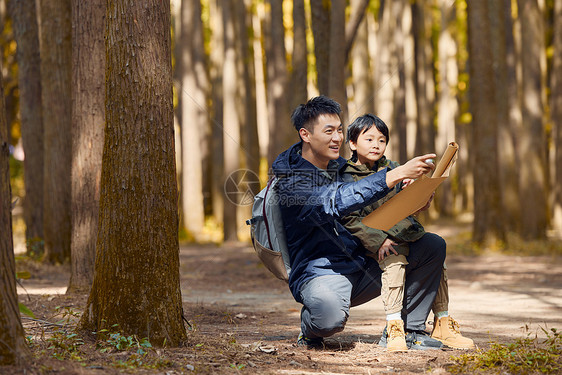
(530, 355)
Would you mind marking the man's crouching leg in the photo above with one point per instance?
(325, 310)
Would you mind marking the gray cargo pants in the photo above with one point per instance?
(327, 299)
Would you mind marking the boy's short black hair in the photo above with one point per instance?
(363, 123)
(306, 114)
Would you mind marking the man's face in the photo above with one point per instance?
(324, 140)
(370, 146)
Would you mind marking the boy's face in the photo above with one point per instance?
(370, 146)
(325, 140)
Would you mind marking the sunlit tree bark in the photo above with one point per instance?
(56, 78)
(88, 116)
(13, 350)
(320, 22)
(299, 61)
(26, 35)
(506, 152)
(488, 224)
(336, 61)
(136, 283)
(531, 140)
(230, 121)
(361, 68)
(194, 116)
(556, 108)
(281, 134)
(217, 133)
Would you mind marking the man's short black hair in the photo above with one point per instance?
(306, 114)
(363, 123)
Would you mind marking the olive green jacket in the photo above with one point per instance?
(407, 230)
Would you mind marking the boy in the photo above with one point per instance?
(368, 137)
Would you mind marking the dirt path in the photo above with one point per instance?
(228, 293)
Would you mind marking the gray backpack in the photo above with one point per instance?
(268, 233)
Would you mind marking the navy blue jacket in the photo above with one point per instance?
(311, 201)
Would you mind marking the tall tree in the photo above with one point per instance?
(88, 116)
(506, 153)
(320, 22)
(231, 122)
(556, 108)
(26, 35)
(136, 282)
(361, 68)
(425, 87)
(447, 109)
(336, 61)
(487, 203)
(280, 133)
(13, 349)
(56, 78)
(299, 61)
(217, 133)
(532, 138)
(195, 120)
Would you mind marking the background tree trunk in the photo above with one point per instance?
(425, 87)
(136, 283)
(56, 79)
(320, 21)
(88, 116)
(506, 153)
(556, 107)
(26, 35)
(531, 141)
(487, 204)
(195, 120)
(299, 80)
(13, 349)
(231, 123)
(336, 68)
(361, 68)
(217, 133)
(281, 133)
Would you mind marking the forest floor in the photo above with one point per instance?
(243, 320)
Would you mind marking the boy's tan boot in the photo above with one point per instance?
(396, 341)
(446, 330)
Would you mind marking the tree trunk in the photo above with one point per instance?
(136, 282)
(231, 123)
(532, 142)
(13, 350)
(195, 120)
(26, 35)
(281, 134)
(399, 125)
(336, 69)
(487, 204)
(300, 64)
(556, 107)
(506, 152)
(362, 74)
(56, 83)
(425, 87)
(447, 101)
(320, 21)
(217, 134)
(88, 116)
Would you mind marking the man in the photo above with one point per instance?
(329, 270)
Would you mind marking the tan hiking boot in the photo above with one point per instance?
(446, 330)
(396, 341)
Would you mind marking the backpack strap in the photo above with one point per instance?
(263, 211)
